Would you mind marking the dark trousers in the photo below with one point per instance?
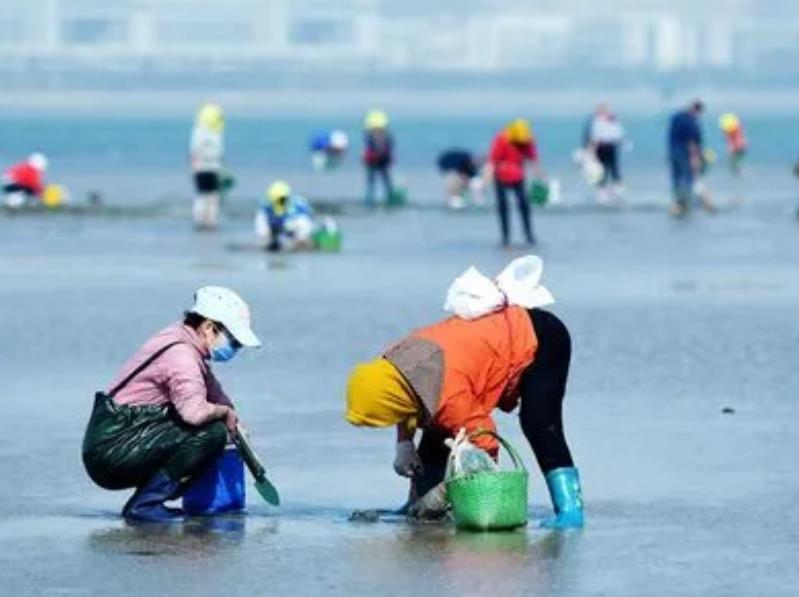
(682, 177)
(125, 446)
(503, 212)
(542, 388)
(372, 174)
(608, 156)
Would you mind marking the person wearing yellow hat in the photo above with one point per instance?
(206, 153)
(511, 149)
(733, 131)
(378, 154)
(284, 219)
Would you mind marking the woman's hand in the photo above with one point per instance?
(231, 421)
(407, 462)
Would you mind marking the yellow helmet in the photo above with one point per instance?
(729, 122)
(211, 117)
(376, 119)
(519, 131)
(278, 190)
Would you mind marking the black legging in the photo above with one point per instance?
(524, 210)
(542, 388)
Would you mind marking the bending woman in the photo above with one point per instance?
(453, 374)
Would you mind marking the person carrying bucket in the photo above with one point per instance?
(166, 419)
(206, 153)
(24, 182)
(284, 220)
(378, 155)
(511, 148)
(687, 159)
(733, 131)
(500, 349)
(605, 142)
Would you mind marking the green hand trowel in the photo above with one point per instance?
(262, 484)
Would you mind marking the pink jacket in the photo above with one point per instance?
(181, 376)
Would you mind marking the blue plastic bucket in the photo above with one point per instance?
(220, 488)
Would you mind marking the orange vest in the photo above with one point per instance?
(462, 369)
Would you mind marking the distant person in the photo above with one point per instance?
(733, 131)
(686, 159)
(605, 140)
(511, 149)
(23, 183)
(206, 153)
(462, 175)
(796, 174)
(166, 419)
(378, 155)
(328, 148)
(284, 220)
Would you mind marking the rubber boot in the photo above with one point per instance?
(567, 499)
(147, 503)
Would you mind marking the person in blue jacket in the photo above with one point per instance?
(328, 148)
(685, 150)
(284, 220)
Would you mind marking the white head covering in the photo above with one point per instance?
(472, 295)
(228, 308)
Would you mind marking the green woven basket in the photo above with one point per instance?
(490, 500)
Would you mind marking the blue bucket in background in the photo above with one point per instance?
(220, 488)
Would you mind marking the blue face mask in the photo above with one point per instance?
(225, 351)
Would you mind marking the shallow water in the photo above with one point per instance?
(672, 322)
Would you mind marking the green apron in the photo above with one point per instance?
(124, 446)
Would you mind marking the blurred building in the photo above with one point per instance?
(481, 36)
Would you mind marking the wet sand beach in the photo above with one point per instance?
(672, 322)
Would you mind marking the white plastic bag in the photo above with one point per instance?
(466, 458)
(473, 295)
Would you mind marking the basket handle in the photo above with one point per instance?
(514, 455)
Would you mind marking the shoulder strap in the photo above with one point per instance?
(141, 368)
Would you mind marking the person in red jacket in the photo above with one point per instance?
(511, 148)
(24, 181)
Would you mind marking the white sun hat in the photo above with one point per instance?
(224, 306)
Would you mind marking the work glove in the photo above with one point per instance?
(406, 461)
(431, 506)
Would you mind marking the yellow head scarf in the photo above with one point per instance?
(378, 396)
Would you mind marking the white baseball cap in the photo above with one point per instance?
(38, 160)
(224, 306)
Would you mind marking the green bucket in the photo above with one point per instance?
(398, 197)
(327, 241)
(490, 500)
(538, 193)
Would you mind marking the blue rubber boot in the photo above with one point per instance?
(567, 499)
(147, 503)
